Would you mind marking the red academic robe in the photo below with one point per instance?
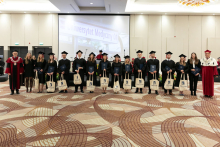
(10, 63)
(99, 57)
(208, 71)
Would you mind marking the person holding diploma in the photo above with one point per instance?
(91, 68)
(194, 69)
(127, 70)
(152, 69)
(104, 67)
(181, 69)
(208, 72)
(139, 67)
(51, 69)
(39, 68)
(116, 70)
(79, 66)
(64, 69)
(14, 69)
(167, 68)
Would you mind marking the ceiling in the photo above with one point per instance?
(107, 7)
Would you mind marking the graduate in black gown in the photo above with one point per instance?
(181, 68)
(170, 64)
(127, 70)
(39, 67)
(64, 69)
(29, 71)
(193, 63)
(51, 69)
(14, 70)
(152, 64)
(91, 68)
(79, 63)
(139, 67)
(2, 64)
(116, 70)
(102, 70)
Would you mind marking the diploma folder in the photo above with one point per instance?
(63, 67)
(104, 65)
(91, 69)
(38, 70)
(152, 68)
(181, 67)
(116, 70)
(127, 67)
(197, 70)
(167, 68)
(50, 69)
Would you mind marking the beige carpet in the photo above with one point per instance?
(111, 120)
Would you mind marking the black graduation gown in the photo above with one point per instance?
(171, 65)
(82, 63)
(149, 63)
(116, 78)
(124, 72)
(186, 68)
(137, 63)
(54, 64)
(66, 71)
(2, 64)
(108, 70)
(29, 68)
(41, 76)
(94, 65)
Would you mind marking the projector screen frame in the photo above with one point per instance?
(93, 15)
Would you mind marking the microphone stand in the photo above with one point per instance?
(85, 54)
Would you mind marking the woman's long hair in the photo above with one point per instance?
(184, 63)
(49, 60)
(91, 59)
(40, 60)
(127, 61)
(26, 58)
(106, 59)
(196, 59)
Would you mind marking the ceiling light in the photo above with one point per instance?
(48, 12)
(24, 12)
(213, 14)
(118, 12)
(141, 13)
(91, 3)
(68, 12)
(165, 13)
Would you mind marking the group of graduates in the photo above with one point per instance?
(39, 67)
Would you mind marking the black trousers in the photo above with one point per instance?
(193, 81)
(218, 71)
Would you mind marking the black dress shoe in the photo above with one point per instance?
(75, 91)
(17, 92)
(192, 93)
(156, 92)
(12, 93)
(90, 92)
(82, 91)
(61, 91)
(66, 91)
(149, 92)
(141, 92)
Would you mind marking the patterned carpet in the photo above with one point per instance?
(112, 120)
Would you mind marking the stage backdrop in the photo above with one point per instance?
(91, 33)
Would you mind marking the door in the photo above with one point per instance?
(46, 50)
(22, 51)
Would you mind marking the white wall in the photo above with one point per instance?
(150, 32)
(29, 30)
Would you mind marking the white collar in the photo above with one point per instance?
(79, 58)
(168, 59)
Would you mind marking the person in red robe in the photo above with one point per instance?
(14, 70)
(208, 72)
(99, 56)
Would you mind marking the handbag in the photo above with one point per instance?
(51, 85)
(127, 83)
(89, 84)
(169, 83)
(116, 86)
(139, 82)
(154, 83)
(104, 81)
(77, 79)
(183, 84)
(62, 83)
(36, 81)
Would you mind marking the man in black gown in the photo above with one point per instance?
(64, 68)
(139, 67)
(152, 69)
(2, 64)
(79, 63)
(167, 67)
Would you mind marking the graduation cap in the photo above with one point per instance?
(168, 53)
(92, 54)
(208, 51)
(152, 52)
(51, 54)
(116, 56)
(127, 57)
(64, 52)
(40, 52)
(100, 51)
(15, 51)
(79, 51)
(139, 51)
(182, 55)
(104, 54)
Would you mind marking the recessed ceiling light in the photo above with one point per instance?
(118, 12)
(141, 13)
(213, 14)
(91, 3)
(68, 12)
(48, 12)
(165, 13)
(24, 12)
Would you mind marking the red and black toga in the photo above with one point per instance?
(14, 67)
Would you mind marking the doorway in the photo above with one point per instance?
(45, 49)
(22, 51)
